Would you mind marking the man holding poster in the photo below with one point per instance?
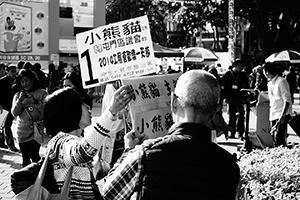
(184, 164)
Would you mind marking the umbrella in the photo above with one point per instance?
(284, 56)
(199, 55)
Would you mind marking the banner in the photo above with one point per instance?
(116, 51)
(150, 109)
(83, 11)
(15, 26)
(24, 31)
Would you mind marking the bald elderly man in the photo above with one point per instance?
(185, 164)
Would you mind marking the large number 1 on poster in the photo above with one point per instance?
(89, 65)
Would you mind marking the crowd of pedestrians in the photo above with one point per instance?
(142, 167)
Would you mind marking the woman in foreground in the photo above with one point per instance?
(65, 117)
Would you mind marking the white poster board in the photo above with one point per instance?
(150, 109)
(116, 51)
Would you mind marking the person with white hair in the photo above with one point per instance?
(185, 164)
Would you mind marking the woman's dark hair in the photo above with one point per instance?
(62, 111)
(76, 80)
(272, 68)
(237, 62)
(26, 73)
(28, 65)
(51, 67)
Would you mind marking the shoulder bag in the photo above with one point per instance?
(38, 192)
(39, 129)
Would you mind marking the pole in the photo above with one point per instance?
(231, 30)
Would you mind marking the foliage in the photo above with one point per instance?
(272, 173)
(276, 22)
(187, 15)
(119, 10)
(196, 14)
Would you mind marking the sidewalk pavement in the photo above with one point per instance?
(10, 161)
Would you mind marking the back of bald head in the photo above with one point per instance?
(198, 90)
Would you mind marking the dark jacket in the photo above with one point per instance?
(6, 94)
(232, 79)
(187, 165)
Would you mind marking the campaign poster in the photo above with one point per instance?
(15, 28)
(116, 51)
(150, 109)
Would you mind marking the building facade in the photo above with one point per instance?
(45, 31)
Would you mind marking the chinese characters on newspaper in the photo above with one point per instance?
(150, 109)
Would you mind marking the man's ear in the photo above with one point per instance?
(173, 103)
(214, 112)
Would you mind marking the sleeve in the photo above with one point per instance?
(123, 178)
(84, 150)
(285, 91)
(17, 106)
(109, 90)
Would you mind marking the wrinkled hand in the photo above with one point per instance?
(134, 138)
(120, 99)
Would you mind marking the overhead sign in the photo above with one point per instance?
(116, 51)
(150, 109)
(67, 46)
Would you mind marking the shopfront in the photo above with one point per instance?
(24, 29)
(44, 30)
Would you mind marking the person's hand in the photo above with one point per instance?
(26, 101)
(274, 128)
(22, 96)
(134, 138)
(120, 99)
(281, 120)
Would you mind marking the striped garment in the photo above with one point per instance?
(68, 150)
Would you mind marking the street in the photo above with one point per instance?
(10, 161)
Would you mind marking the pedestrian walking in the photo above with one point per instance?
(73, 79)
(2, 70)
(37, 68)
(6, 94)
(280, 103)
(234, 80)
(27, 106)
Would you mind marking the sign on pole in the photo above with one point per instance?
(115, 51)
(150, 109)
